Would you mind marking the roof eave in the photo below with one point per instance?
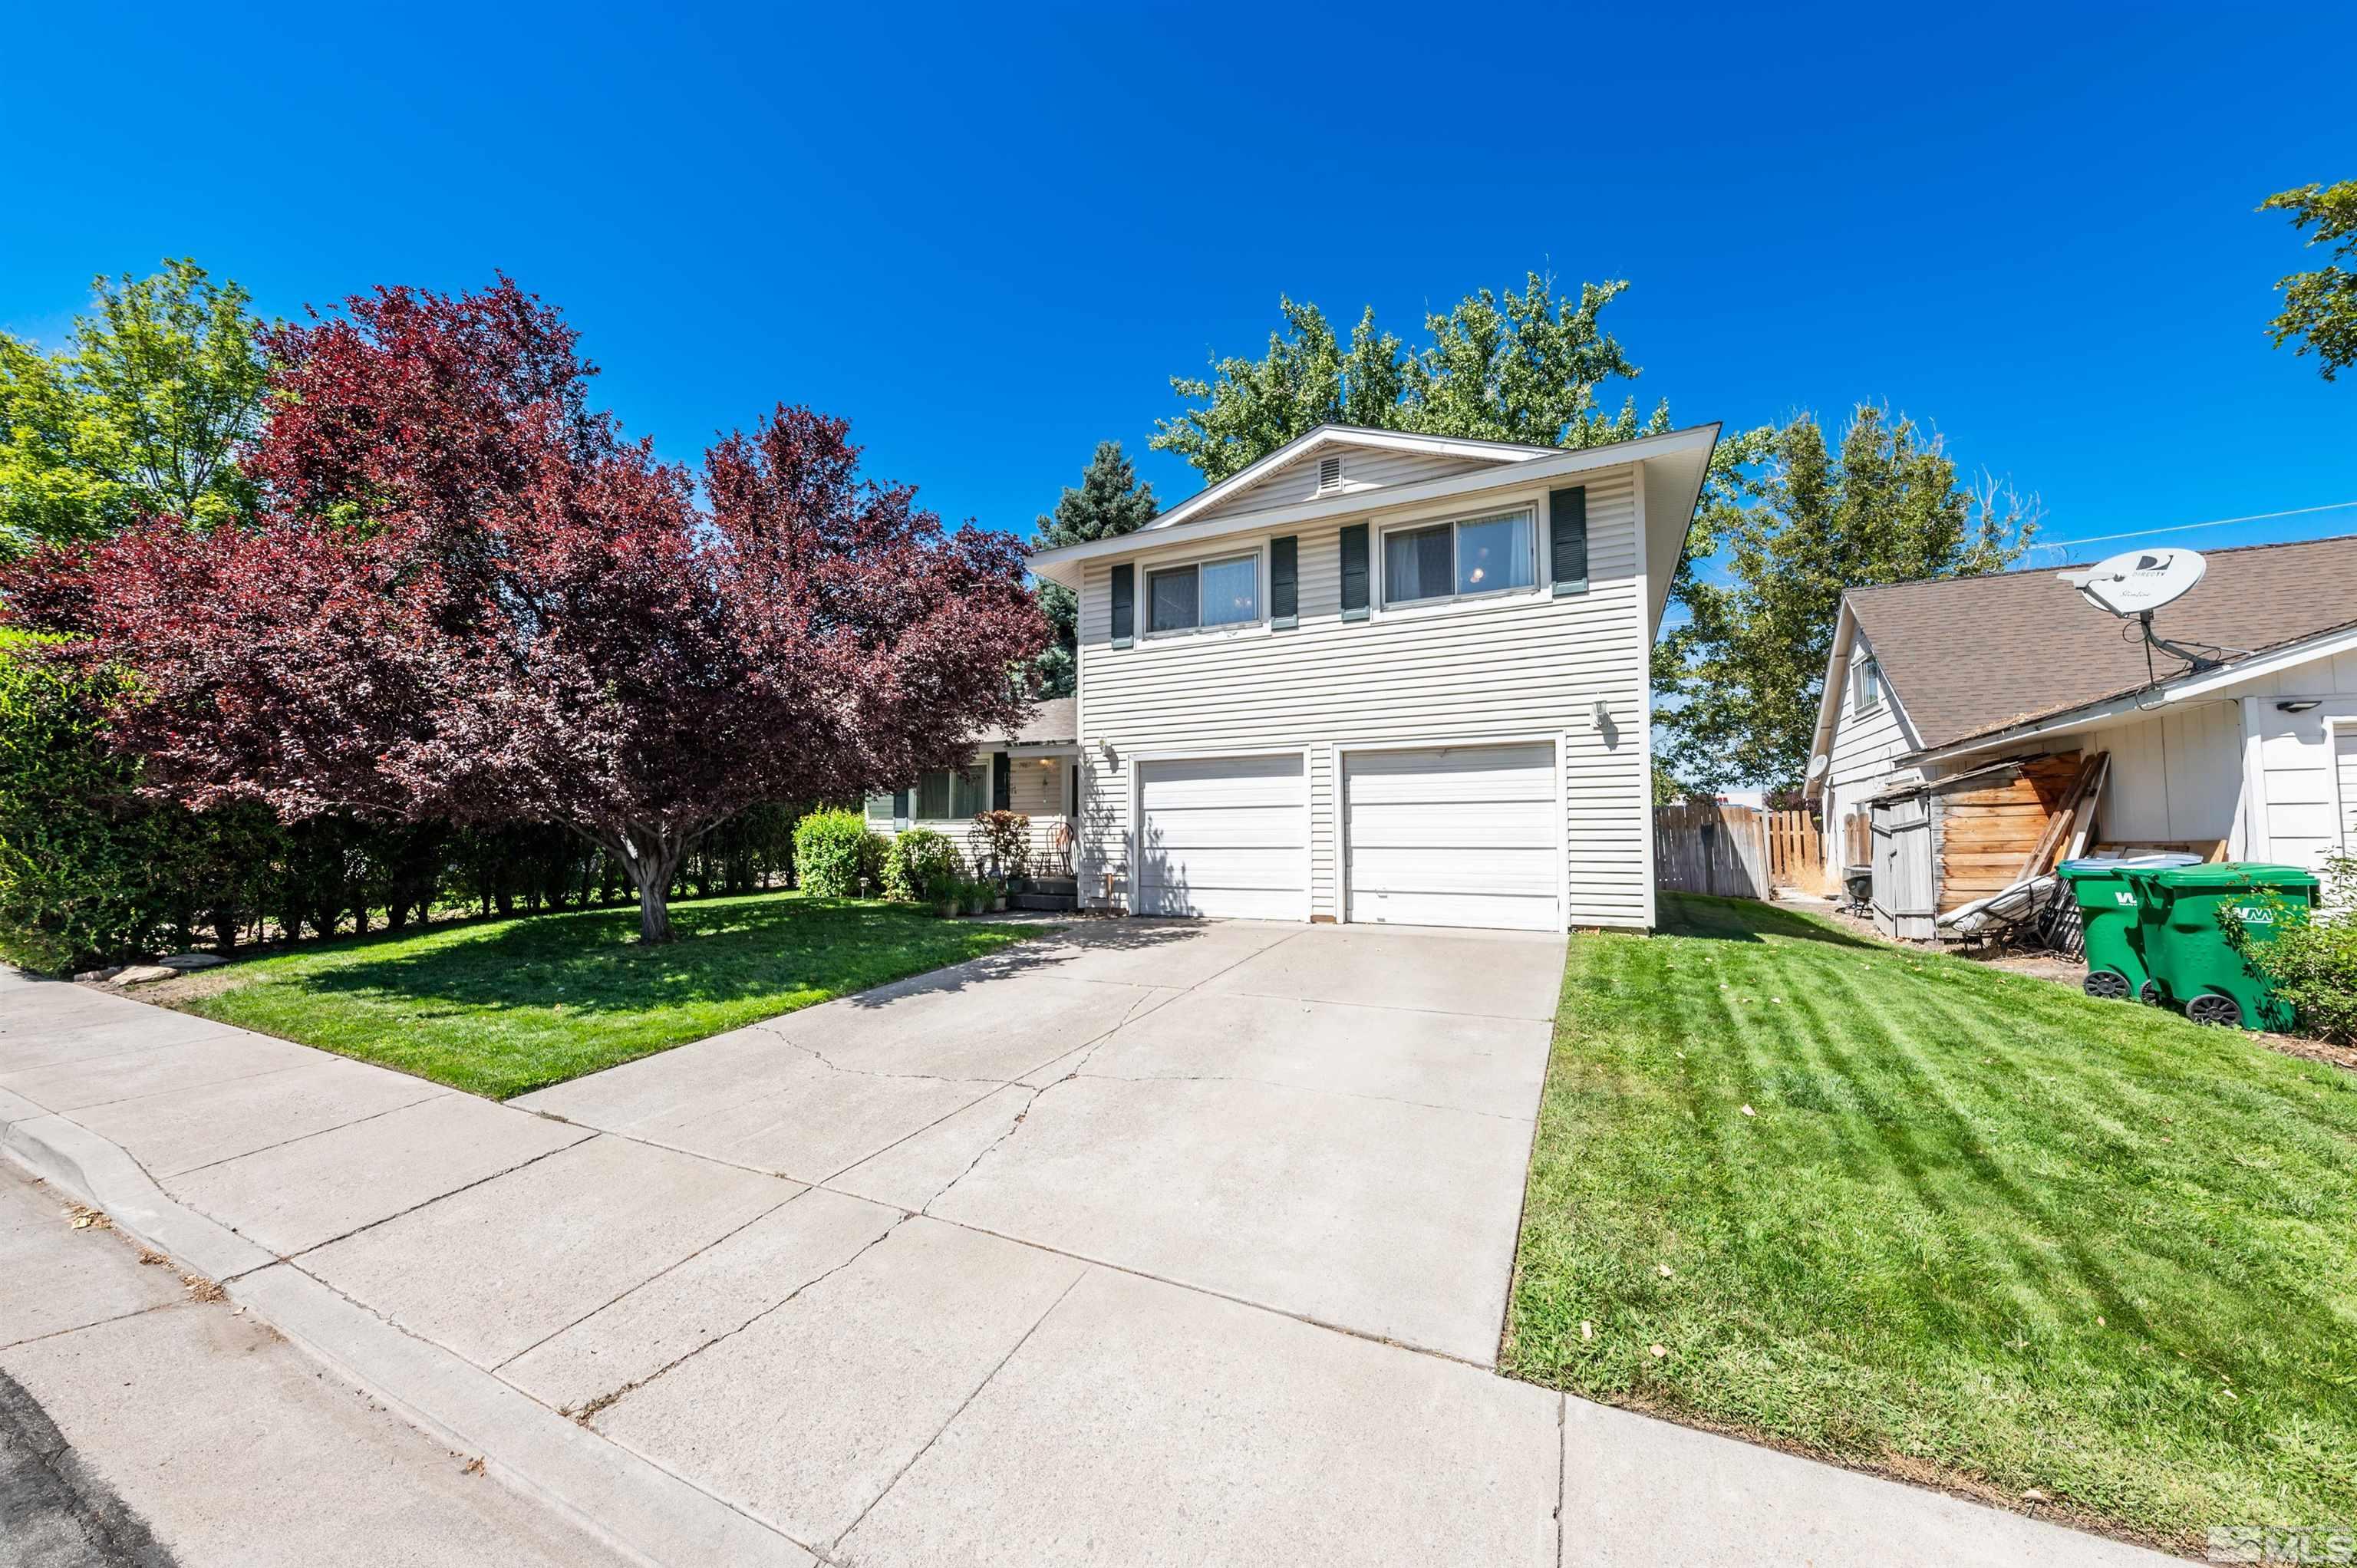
(1063, 565)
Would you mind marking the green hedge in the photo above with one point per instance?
(91, 872)
(835, 855)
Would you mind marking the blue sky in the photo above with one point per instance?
(989, 237)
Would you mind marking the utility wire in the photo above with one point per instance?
(2184, 527)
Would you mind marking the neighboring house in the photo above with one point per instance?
(1380, 676)
(1030, 771)
(1987, 689)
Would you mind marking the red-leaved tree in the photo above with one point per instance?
(470, 599)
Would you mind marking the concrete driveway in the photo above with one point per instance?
(1152, 1242)
(1329, 1121)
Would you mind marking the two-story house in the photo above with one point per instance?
(1382, 677)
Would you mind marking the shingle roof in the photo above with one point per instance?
(1968, 655)
(1053, 723)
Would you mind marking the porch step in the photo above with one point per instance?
(1050, 901)
(1059, 886)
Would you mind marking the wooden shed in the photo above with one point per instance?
(1945, 843)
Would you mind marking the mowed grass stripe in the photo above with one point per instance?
(502, 1008)
(1980, 1228)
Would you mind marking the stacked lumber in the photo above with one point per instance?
(1989, 834)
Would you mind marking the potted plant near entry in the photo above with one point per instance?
(978, 897)
(998, 895)
(942, 893)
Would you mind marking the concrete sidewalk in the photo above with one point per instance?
(724, 1313)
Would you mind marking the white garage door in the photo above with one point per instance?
(1460, 835)
(1224, 835)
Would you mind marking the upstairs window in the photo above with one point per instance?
(1460, 560)
(1866, 683)
(1209, 593)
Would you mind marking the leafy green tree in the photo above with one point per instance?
(1737, 683)
(2320, 307)
(142, 415)
(1518, 367)
(1109, 501)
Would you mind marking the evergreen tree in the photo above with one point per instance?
(1109, 501)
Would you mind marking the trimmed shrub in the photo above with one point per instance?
(918, 863)
(2312, 962)
(834, 854)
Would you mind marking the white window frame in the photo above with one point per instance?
(1257, 554)
(1379, 568)
(1862, 664)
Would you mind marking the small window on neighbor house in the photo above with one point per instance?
(1216, 593)
(1329, 474)
(1869, 685)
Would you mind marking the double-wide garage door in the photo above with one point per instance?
(1461, 835)
(1224, 835)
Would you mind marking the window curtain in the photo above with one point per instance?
(1231, 591)
(1415, 564)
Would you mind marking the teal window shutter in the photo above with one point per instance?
(1125, 606)
(1284, 583)
(1567, 540)
(1354, 572)
(1002, 781)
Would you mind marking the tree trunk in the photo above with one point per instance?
(651, 865)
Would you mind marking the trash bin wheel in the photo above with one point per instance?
(2106, 985)
(2151, 995)
(2219, 1012)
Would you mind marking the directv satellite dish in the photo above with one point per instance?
(1818, 764)
(2137, 582)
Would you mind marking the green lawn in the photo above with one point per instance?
(512, 1005)
(1979, 1229)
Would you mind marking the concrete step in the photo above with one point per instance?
(1053, 901)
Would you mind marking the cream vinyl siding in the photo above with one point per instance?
(1522, 668)
(1223, 836)
(1453, 836)
(2344, 760)
(1364, 469)
(1864, 747)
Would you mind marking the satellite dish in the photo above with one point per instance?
(2137, 582)
(1818, 764)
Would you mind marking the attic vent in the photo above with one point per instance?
(1329, 474)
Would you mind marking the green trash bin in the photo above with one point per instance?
(2108, 910)
(2193, 965)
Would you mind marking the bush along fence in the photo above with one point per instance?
(94, 873)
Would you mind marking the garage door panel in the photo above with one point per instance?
(1454, 836)
(1488, 911)
(1507, 825)
(1451, 871)
(1279, 827)
(1223, 836)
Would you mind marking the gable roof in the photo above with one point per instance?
(1972, 655)
(1674, 465)
(1325, 435)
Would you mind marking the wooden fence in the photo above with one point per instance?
(1796, 852)
(1708, 848)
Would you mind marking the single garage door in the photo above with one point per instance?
(1460, 835)
(1224, 835)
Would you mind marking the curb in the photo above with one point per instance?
(635, 1507)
